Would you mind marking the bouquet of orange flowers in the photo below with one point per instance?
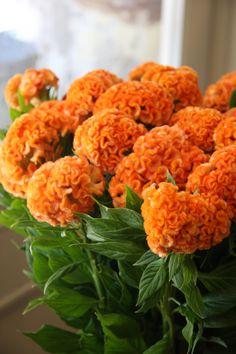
(125, 194)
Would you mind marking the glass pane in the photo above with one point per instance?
(73, 37)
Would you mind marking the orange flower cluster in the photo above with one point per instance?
(161, 149)
(33, 139)
(149, 103)
(137, 73)
(59, 189)
(31, 85)
(181, 83)
(225, 133)
(106, 137)
(182, 222)
(85, 91)
(198, 124)
(218, 95)
(217, 177)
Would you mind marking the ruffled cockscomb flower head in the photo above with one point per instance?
(181, 83)
(218, 177)
(198, 124)
(225, 132)
(33, 86)
(176, 221)
(33, 139)
(106, 137)
(150, 104)
(137, 73)
(126, 174)
(85, 91)
(230, 113)
(58, 190)
(218, 95)
(165, 148)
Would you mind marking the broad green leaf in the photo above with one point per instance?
(218, 303)
(194, 300)
(123, 215)
(109, 229)
(41, 268)
(55, 340)
(160, 347)
(133, 201)
(147, 258)
(153, 278)
(70, 303)
(5, 198)
(223, 320)
(129, 274)
(59, 274)
(14, 113)
(129, 251)
(232, 102)
(122, 334)
(187, 332)
(222, 279)
(175, 263)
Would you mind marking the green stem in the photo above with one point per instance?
(95, 276)
(166, 311)
(94, 272)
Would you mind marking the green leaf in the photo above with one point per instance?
(3, 133)
(232, 102)
(133, 201)
(129, 274)
(147, 258)
(216, 340)
(41, 268)
(175, 262)
(59, 274)
(160, 347)
(23, 107)
(70, 303)
(123, 215)
(14, 113)
(223, 320)
(5, 198)
(128, 251)
(187, 332)
(109, 229)
(122, 334)
(195, 301)
(153, 278)
(33, 304)
(222, 279)
(169, 178)
(55, 340)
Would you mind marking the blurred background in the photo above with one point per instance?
(72, 37)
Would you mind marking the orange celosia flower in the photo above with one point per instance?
(230, 113)
(218, 95)
(159, 150)
(59, 189)
(106, 137)
(138, 72)
(127, 173)
(182, 222)
(151, 104)
(85, 91)
(198, 124)
(169, 147)
(181, 83)
(225, 132)
(217, 177)
(33, 139)
(31, 85)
